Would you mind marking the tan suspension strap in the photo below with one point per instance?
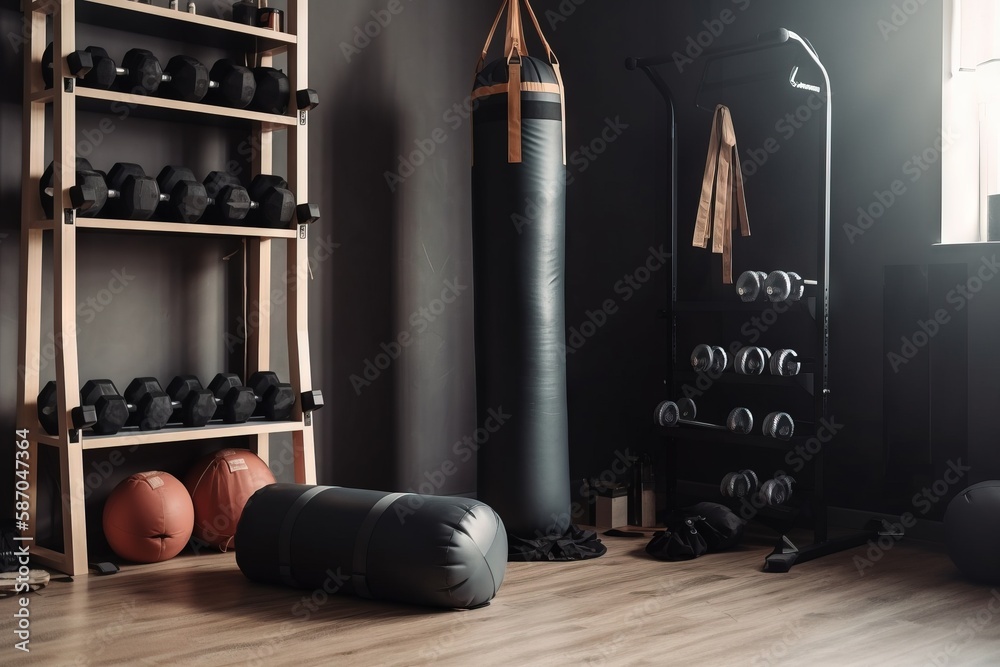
(514, 50)
(722, 183)
(489, 38)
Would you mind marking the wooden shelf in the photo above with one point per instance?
(163, 108)
(144, 19)
(132, 21)
(151, 226)
(130, 438)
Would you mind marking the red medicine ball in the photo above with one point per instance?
(149, 517)
(220, 485)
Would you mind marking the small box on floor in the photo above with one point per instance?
(612, 506)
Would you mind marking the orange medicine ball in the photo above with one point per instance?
(149, 517)
(220, 485)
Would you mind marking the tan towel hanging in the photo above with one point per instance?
(722, 183)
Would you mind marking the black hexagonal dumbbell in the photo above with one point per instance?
(140, 73)
(183, 198)
(194, 406)
(83, 416)
(47, 184)
(80, 63)
(132, 195)
(268, 203)
(235, 403)
(149, 406)
(102, 408)
(228, 84)
(275, 399)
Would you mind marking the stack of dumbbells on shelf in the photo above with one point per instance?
(264, 89)
(713, 360)
(745, 484)
(144, 405)
(176, 195)
(778, 286)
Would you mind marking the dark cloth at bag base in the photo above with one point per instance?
(575, 544)
(696, 530)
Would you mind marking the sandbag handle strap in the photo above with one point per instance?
(359, 572)
(285, 534)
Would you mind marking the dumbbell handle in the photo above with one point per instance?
(688, 422)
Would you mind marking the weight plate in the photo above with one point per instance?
(740, 421)
(720, 361)
(666, 414)
(687, 409)
(701, 358)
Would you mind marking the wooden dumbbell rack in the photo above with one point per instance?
(815, 376)
(65, 98)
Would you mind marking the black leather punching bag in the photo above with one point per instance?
(519, 249)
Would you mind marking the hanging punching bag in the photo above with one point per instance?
(519, 249)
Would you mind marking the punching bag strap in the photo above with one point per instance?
(723, 182)
(515, 31)
(555, 66)
(359, 571)
(489, 39)
(514, 106)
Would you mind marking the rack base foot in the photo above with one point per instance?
(786, 554)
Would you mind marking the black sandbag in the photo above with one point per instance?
(427, 550)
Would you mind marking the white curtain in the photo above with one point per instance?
(977, 24)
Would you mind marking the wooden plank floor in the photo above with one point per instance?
(624, 609)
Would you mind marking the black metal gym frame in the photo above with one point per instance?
(786, 554)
